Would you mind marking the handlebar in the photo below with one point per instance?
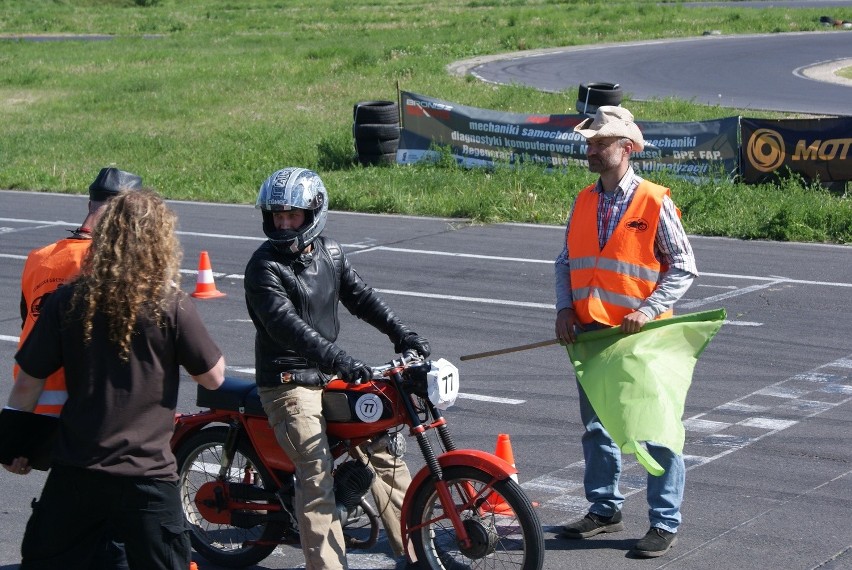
(408, 358)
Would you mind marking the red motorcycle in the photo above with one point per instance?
(462, 510)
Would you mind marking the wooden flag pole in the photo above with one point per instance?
(539, 344)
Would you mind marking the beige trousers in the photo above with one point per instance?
(295, 414)
(388, 489)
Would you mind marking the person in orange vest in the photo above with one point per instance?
(53, 265)
(626, 260)
(47, 268)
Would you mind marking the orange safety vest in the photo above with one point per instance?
(610, 283)
(46, 269)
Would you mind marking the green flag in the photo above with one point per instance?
(637, 383)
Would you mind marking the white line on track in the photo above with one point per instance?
(492, 399)
(455, 254)
(199, 234)
(722, 296)
(467, 299)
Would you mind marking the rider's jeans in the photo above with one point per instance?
(603, 468)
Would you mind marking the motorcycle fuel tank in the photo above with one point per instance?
(353, 411)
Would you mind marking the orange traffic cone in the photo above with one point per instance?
(193, 566)
(504, 452)
(205, 288)
(495, 502)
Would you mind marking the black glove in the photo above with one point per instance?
(351, 370)
(415, 342)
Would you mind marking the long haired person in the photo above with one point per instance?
(121, 329)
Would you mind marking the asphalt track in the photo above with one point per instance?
(780, 72)
(768, 418)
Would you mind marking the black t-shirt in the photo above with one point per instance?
(119, 416)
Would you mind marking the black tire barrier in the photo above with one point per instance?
(373, 112)
(375, 146)
(368, 159)
(376, 131)
(593, 95)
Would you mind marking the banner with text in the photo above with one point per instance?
(481, 137)
(817, 149)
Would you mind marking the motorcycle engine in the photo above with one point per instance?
(352, 480)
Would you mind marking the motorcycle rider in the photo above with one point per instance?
(293, 283)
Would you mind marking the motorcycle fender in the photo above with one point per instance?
(263, 440)
(488, 462)
(188, 424)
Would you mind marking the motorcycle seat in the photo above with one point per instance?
(233, 394)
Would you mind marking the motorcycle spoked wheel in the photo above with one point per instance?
(198, 461)
(505, 530)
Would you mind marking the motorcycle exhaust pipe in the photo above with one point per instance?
(372, 515)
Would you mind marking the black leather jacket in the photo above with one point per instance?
(293, 303)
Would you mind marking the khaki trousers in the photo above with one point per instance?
(388, 489)
(295, 414)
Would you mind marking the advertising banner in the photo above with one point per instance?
(817, 149)
(482, 137)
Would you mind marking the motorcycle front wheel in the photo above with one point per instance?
(500, 521)
(198, 461)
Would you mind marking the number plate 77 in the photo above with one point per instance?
(443, 383)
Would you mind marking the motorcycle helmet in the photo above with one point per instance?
(287, 189)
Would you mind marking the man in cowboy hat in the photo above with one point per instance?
(626, 260)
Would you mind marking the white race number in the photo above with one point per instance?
(443, 383)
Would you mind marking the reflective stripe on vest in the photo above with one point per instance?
(608, 284)
(629, 269)
(51, 401)
(54, 394)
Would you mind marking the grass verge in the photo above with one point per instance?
(205, 98)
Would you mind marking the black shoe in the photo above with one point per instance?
(656, 542)
(592, 524)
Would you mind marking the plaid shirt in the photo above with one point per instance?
(671, 246)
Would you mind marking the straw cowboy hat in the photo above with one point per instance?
(610, 121)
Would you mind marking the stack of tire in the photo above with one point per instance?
(594, 95)
(376, 132)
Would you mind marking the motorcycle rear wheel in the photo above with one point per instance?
(198, 461)
(504, 528)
